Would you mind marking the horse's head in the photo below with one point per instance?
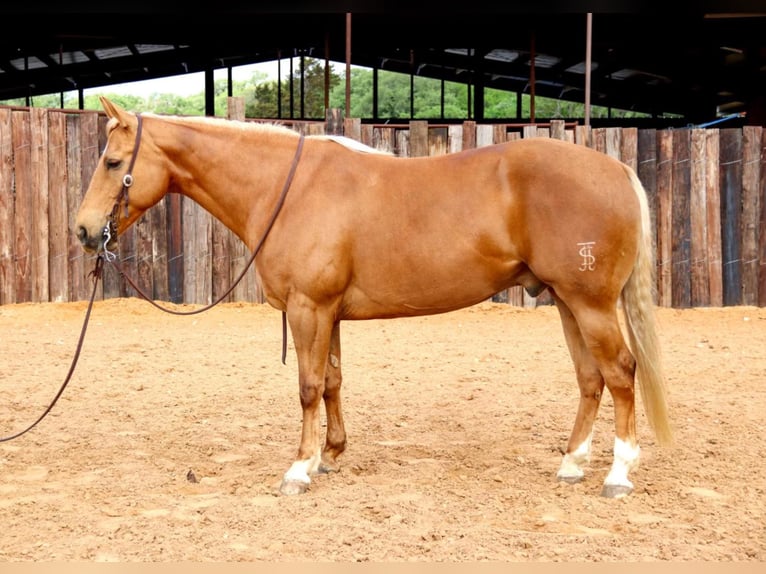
(128, 180)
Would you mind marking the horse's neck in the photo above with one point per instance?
(235, 174)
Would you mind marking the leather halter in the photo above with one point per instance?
(127, 181)
(111, 227)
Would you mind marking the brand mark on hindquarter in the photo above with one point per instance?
(588, 259)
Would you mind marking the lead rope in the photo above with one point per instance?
(96, 273)
(113, 260)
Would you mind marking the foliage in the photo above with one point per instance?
(400, 96)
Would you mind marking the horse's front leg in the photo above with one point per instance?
(336, 431)
(311, 329)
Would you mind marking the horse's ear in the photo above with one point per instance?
(113, 110)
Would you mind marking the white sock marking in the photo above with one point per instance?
(571, 464)
(625, 460)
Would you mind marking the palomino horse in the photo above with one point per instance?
(364, 235)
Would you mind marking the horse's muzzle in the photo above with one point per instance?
(96, 242)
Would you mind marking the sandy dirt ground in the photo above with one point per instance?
(170, 442)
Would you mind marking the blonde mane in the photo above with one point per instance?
(264, 127)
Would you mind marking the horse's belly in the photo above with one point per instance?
(399, 292)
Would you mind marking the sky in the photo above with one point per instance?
(186, 84)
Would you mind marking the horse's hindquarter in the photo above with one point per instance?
(388, 236)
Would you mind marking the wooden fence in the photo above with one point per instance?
(706, 187)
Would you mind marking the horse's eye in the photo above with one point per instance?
(112, 163)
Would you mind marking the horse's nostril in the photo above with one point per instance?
(82, 234)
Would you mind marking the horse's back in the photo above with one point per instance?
(424, 235)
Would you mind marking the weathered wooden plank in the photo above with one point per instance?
(315, 129)
(700, 282)
(681, 232)
(583, 135)
(751, 211)
(334, 122)
(144, 276)
(713, 213)
(189, 222)
(40, 226)
(485, 135)
(731, 214)
(454, 138)
(500, 133)
(664, 217)
(613, 142)
(352, 128)
(222, 243)
(235, 108)
(629, 147)
(558, 129)
(418, 138)
(367, 134)
(203, 238)
(58, 217)
(646, 169)
(24, 205)
(159, 219)
(175, 249)
(469, 135)
(438, 143)
(762, 228)
(402, 145)
(384, 139)
(76, 258)
(598, 139)
(7, 211)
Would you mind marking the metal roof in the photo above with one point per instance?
(695, 62)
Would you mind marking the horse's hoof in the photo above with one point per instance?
(292, 487)
(616, 490)
(327, 467)
(570, 478)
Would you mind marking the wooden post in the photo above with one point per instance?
(731, 214)
(469, 135)
(76, 257)
(700, 283)
(629, 147)
(58, 219)
(352, 128)
(680, 236)
(454, 138)
(664, 220)
(7, 209)
(39, 190)
(713, 213)
(762, 228)
(24, 206)
(646, 169)
(751, 211)
(334, 122)
(418, 138)
(158, 215)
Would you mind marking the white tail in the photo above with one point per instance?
(638, 306)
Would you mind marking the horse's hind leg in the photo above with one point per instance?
(591, 385)
(336, 431)
(602, 336)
